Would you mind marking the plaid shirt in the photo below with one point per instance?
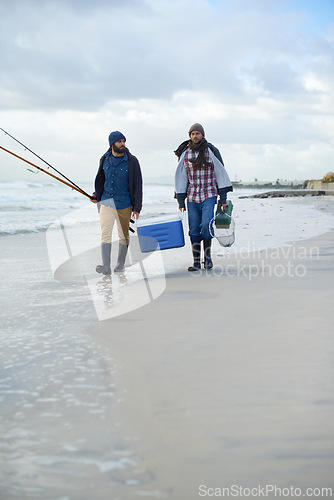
(202, 182)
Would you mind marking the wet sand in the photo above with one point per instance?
(224, 380)
(227, 378)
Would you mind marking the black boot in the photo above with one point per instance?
(196, 248)
(105, 252)
(208, 264)
(122, 251)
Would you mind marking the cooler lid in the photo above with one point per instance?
(158, 219)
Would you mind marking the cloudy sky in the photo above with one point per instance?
(258, 75)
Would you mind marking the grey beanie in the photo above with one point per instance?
(198, 128)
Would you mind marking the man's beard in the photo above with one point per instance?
(119, 150)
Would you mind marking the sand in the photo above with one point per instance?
(227, 379)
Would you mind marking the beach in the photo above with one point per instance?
(232, 382)
(219, 380)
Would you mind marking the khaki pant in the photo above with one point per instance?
(108, 215)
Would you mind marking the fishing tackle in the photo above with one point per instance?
(46, 172)
(222, 226)
(55, 177)
(77, 188)
(70, 183)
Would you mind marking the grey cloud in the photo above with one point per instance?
(288, 130)
(275, 77)
(59, 60)
(74, 54)
(75, 5)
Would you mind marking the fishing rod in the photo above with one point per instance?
(55, 177)
(48, 173)
(48, 164)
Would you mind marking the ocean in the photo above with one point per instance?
(57, 389)
(30, 207)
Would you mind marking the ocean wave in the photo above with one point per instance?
(10, 231)
(22, 206)
(26, 185)
(42, 225)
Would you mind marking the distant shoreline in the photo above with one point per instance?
(267, 185)
(290, 193)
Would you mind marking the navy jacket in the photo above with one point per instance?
(135, 182)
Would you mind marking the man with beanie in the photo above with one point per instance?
(118, 192)
(200, 177)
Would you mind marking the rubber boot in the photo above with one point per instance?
(196, 249)
(122, 251)
(105, 252)
(208, 264)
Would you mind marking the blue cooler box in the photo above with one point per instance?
(160, 232)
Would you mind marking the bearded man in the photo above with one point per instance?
(119, 194)
(200, 177)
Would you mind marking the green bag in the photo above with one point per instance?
(223, 217)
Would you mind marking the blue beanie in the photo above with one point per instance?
(115, 136)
